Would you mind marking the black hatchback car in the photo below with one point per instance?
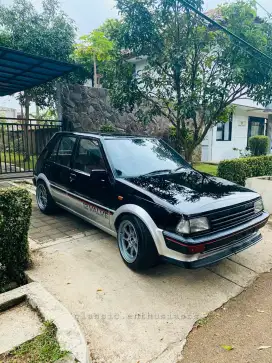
(144, 193)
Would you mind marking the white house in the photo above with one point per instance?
(225, 141)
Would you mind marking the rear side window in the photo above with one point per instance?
(88, 156)
(53, 154)
(63, 150)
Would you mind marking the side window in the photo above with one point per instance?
(53, 153)
(88, 156)
(65, 150)
(224, 130)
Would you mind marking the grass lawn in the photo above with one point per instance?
(42, 349)
(206, 168)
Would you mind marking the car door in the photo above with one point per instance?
(58, 168)
(91, 182)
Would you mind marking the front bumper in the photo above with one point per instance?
(214, 246)
(207, 259)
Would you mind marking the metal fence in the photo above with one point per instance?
(21, 142)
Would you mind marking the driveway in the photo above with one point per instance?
(129, 317)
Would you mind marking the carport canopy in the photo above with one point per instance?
(20, 71)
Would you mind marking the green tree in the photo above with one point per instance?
(95, 49)
(48, 33)
(194, 71)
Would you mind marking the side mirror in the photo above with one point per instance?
(99, 175)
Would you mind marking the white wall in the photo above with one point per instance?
(215, 151)
(8, 112)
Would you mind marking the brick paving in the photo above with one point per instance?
(44, 229)
(49, 228)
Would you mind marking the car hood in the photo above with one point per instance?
(191, 192)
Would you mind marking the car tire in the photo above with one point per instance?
(136, 245)
(44, 199)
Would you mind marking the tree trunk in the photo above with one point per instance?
(188, 152)
(22, 110)
(58, 101)
(37, 112)
(95, 73)
(178, 137)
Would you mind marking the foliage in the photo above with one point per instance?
(194, 71)
(97, 45)
(49, 33)
(259, 145)
(42, 349)
(48, 114)
(15, 212)
(107, 128)
(206, 168)
(5, 38)
(201, 322)
(94, 44)
(238, 170)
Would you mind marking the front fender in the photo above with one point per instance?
(142, 214)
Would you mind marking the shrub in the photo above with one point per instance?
(107, 128)
(238, 170)
(259, 145)
(15, 213)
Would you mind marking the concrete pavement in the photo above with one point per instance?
(18, 325)
(129, 317)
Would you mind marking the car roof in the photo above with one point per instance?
(106, 136)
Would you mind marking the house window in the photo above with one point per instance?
(224, 131)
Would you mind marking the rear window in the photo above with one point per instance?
(63, 150)
(54, 152)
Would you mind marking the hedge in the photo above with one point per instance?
(238, 170)
(259, 145)
(15, 213)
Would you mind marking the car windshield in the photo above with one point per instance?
(139, 156)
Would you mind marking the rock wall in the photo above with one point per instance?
(89, 109)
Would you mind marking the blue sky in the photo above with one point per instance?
(89, 14)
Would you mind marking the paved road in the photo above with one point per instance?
(129, 317)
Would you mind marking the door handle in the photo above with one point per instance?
(72, 177)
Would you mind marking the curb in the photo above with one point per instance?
(69, 334)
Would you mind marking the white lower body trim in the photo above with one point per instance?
(96, 224)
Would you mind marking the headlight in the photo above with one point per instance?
(193, 225)
(199, 224)
(183, 226)
(258, 206)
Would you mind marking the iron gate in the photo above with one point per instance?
(21, 142)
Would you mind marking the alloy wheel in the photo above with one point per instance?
(128, 241)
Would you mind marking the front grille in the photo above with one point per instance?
(232, 216)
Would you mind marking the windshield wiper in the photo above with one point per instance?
(179, 168)
(158, 172)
